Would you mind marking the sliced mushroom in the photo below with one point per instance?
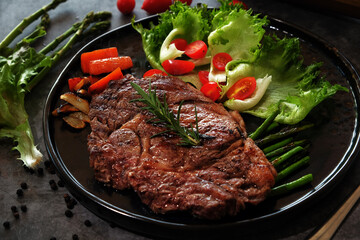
(74, 122)
(80, 115)
(84, 83)
(65, 108)
(83, 93)
(78, 102)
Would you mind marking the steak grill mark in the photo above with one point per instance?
(211, 181)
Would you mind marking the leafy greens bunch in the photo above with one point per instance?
(22, 68)
(283, 82)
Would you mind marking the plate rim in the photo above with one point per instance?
(318, 191)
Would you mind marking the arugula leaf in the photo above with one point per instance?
(294, 87)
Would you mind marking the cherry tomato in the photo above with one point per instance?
(239, 2)
(156, 6)
(203, 77)
(242, 89)
(154, 71)
(211, 90)
(196, 49)
(178, 67)
(180, 43)
(220, 60)
(125, 6)
(188, 2)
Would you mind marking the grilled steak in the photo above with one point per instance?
(212, 180)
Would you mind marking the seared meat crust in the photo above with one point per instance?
(213, 180)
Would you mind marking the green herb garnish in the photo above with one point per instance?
(189, 136)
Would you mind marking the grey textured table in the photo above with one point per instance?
(45, 216)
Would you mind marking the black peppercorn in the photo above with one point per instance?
(67, 197)
(53, 238)
(51, 170)
(69, 205)
(19, 192)
(31, 171)
(47, 163)
(87, 223)
(23, 185)
(73, 201)
(75, 237)
(53, 185)
(40, 171)
(14, 209)
(69, 213)
(16, 215)
(6, 225)
(60, 183)
(23, 208)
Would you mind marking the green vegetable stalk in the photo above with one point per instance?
(22, 67)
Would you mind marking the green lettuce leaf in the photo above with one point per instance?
(15, 72)
(181, 21)
(296, 89)
(237, 32)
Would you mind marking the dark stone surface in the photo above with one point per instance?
(45, 216)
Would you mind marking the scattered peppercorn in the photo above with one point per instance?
(53, 185)
(14, 209)
(6, 225)
(60, 183)
(67, 197)
(23, 208)
(87, 223)
(53, 238)
(69, 205)
(51, 170)
(40, 171)
(75, 237)
(19, 192)
(16, 215)
(69, 213)
(73, 201)
(31, 171)
(47, 163)
(23, 185)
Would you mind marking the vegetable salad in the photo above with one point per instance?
(237, 49)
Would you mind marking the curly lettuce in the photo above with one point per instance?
(181, 21)
(238, 33)
(282, 79)
(295, 88)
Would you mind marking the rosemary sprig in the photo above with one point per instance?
(189, 136)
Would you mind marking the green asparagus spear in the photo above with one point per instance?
(277, 145)
(262, 128)
(280, 160)
(39, 31)
(26, 22)
(292, 168)
(78, 29)
(282, 134)
(288, 187)
(19, 73)
(283, 149)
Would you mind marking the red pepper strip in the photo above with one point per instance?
(100, 85)
(72, 82)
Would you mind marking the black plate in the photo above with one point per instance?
(335, 145)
